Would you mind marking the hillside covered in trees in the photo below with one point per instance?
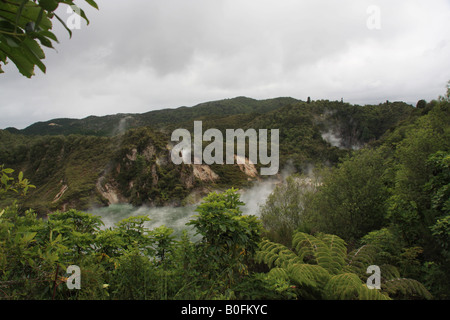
(126, 158)
(378, 195)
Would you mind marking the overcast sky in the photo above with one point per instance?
(141, 55)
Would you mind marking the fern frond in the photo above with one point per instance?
(360, 259)
(305, 245)
(389, 272)
(337, 246)
(275, 254)
(287, 258)
(348, 286)
(278, 273)
(371, 294)
(344, 286)
(309, 275)
(328, 251)
(404, 288)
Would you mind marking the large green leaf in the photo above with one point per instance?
(22, 23)
(17, 56)
(49, 5)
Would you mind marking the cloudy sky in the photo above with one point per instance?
(141, 55)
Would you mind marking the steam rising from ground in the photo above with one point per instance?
(332, 138)
(171, 217)
(177, 217)
(123, 125)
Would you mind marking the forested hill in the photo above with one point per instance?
(97, 161)
(110, 125)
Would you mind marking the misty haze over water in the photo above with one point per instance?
(177, 217)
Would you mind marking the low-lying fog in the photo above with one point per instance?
(177, 217)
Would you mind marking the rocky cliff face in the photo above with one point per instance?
(148, 176)
(83, 172)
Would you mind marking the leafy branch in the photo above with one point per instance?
(25, 27)
(8, 183)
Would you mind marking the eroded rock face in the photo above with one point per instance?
(110, 191)
(149, 152)
(60, 193)
(133, 155)
(247, 167)
(157, 165)
(204, 173)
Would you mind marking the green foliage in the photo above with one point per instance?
(28, 257)
(320, 268)
(130, 261)
(25, 26)
(441, 231)
(406, 288)
(351, 199)
(9, 183)
(439, 183)
(261, 286)
(392, 250)
(276, 255)
(390, 245)
(228, 237)
(221, 114)
(164, 241)
(282, 212)
(327, 251)
(390, 197)
(410, 206)
(133, 277)
(76, 229)
(345, 286)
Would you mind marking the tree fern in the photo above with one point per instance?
(320, 268)
(310, 279)
(332, 257)
(403, 288)
(305, 246)
(309, 275)
(389, 272)
(278, 273)
(343, 286)
(364, 293)
(348, 286)
(275, 254)
(359, 259)
(328, 251)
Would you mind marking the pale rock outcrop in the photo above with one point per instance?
(204, 173)
(248, 167)
(60, 193)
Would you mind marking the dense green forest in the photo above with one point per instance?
(377, 196)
